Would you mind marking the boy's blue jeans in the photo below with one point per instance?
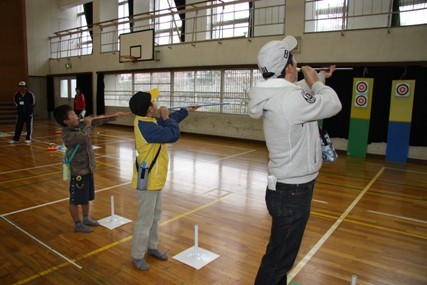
(289, 207)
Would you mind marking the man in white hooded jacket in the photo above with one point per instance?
(290, 110)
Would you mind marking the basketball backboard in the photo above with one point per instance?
(137, 46)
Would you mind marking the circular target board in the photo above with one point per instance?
(361, 101)
(402, 90)
(362, 87)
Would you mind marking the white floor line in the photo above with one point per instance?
(325, 237)
(60, 200)
(117, 137)
(399, 217)
(29, 168)
(407, 170)
(320, 201)
(40, 242)
(34, 207)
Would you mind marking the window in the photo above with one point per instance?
(186, 88)
(75, 43)
(167, 27)
(67, 88)
(85, 39)
(328, 15)
(236, 90)
(147, 81)
(229, 21)
(123, 13)
(335, 15)
(413, 12)
(118, 89)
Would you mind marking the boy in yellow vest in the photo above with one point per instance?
(151, 135)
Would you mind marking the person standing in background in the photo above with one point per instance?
(79, 103)
(25, 102)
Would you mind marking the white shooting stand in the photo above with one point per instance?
(353, 279)
(113, 221)
(195, 256)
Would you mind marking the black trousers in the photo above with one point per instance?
(289, 206)
(28, 120)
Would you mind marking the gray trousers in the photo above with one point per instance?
(146, 228)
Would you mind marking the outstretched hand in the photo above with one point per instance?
(121, 114)
(193, 108)
(329, 72)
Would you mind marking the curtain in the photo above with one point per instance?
(84, 83)
(130, 6)
(100, 101)
(50, 94)
(395, 17)
(251, 19)
(180, 5)
(88, 10)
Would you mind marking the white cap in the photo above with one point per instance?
(274, 55)
(22, 84)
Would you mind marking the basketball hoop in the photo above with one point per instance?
(128, 58)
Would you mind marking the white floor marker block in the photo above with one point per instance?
(353, 279)
(195, 256)
(113, 221)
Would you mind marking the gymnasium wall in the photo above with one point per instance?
(374, 48)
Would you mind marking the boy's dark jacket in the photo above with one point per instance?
(84, 160)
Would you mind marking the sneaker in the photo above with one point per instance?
(140, 264)
(27, 141)
(81, 228)
(89, 222)
(13, 142)
(158, 254)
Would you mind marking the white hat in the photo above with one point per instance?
(274, 55)
(22, 84)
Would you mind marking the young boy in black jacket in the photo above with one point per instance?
(76, 134)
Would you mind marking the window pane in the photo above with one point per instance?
(183, 94)
(166, 26)
(64, 88)
(208, 89)
(162, 81)
(236, 90)
(230, 20)
(123, 13)
(83, 40)
(332, 15)
(118, 89)
(414, 14)
(73, 86)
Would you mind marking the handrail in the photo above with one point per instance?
(146, 16)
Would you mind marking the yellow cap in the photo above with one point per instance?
(155, 92)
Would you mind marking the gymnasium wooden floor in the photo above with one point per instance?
(369, 217)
